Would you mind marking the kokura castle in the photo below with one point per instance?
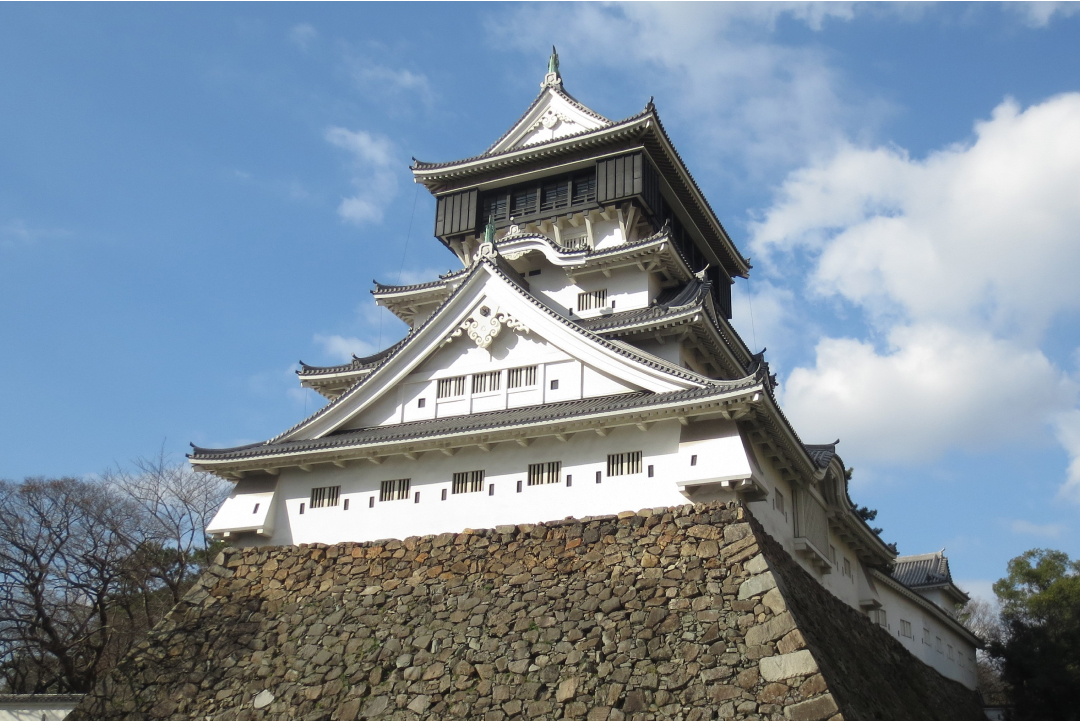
(582, 362)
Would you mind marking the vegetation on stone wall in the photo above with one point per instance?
(88, 567)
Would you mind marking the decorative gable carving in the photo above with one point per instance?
(553, 115)
(484, 326)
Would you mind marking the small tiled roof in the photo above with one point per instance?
(356, 364)
(670, 302)
(437, 283)
(822, 454)
(491, 420)
(927, 569)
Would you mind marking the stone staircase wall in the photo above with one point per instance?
(680, 613)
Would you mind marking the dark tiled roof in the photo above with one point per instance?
(439, 282)
(620, 348)
(421, 165)
(927, 569)
(669, 303)
(356, 364)
(491, 420)
(822, 454)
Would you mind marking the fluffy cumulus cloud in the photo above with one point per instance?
(958, 262)
(372, 159)
(931, 388)
(769, 103)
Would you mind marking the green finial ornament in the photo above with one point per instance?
(553, 64)
(489, 231)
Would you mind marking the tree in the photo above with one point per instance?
(88, 567)
(984, 620)
(1040, 643)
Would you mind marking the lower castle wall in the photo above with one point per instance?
(687, 613)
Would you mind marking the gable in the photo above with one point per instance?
(553, 115)
(477, 328)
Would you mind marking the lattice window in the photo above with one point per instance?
(905, 629)
(325, 496)
(486, 382)
(624, 464)
(521, 377)
(541, 473)
(468, 482)
(451, 387)
(592, 299)
(396, 490)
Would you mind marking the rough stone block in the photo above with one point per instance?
(816, 709)
(756, 585)
(789, 665)
(771, 630)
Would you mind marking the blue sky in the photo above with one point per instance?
(193, 197)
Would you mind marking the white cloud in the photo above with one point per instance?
(979, 588)
(303, 35)
(1039, 14)
(959, 261)
(343, 348)
(1046, 530)
(19, 232)
(933, 388)
(1067, 430)
(768, 103)
(370, 76)
(982, 235)
(373, 158)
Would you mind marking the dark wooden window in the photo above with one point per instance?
(537, 198)
(456, 213)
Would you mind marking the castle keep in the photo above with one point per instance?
(580, 364)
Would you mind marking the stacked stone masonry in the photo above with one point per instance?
(688, 613)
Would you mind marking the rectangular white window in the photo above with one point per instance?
(592, 299)
(905, 629)
(468, 482)
(396, 490)
(521, 377)
(325, 496)
(832, 555)
(487, 382)
(926, 636)
(778, 503)
(541, 473)
(624, 464)
(847, 568)
(451, 387)
(938, 638)
(949, 654)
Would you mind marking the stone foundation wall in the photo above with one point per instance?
(684, 613)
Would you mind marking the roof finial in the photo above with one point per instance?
(553, 77)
